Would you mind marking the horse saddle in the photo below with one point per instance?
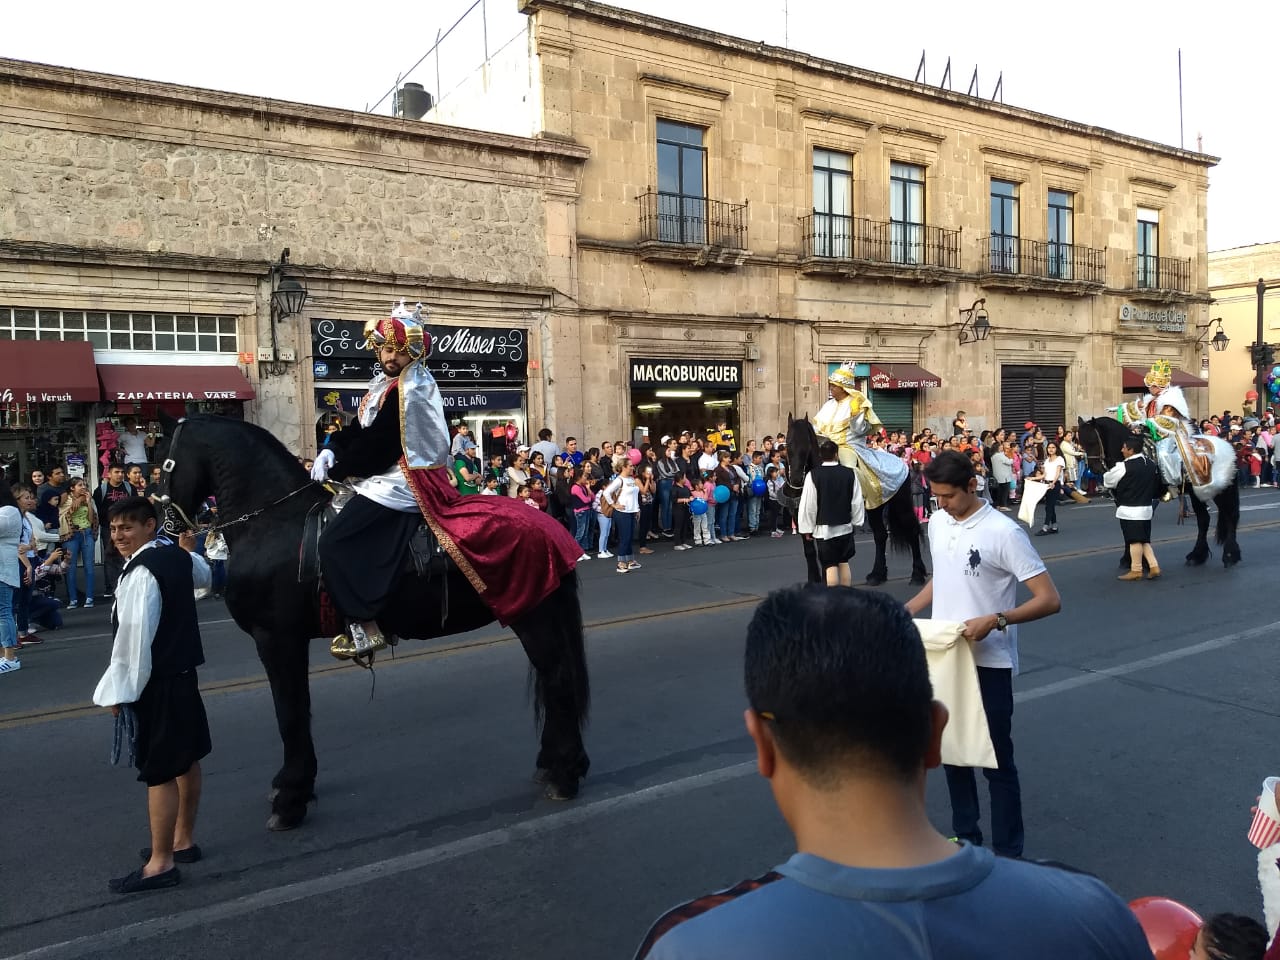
(426, 557)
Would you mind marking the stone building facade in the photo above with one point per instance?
(141, 216)
(1233, 283)
(766, 214)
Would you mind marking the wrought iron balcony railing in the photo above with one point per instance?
(692, 221)
(1161, 273)
(1045, 260)
(838, 237)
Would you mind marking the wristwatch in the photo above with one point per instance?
(1001, 621)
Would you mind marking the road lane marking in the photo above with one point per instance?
(242, 684)
(344, 880)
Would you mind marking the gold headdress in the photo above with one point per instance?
(843, 376)
(1160, 374)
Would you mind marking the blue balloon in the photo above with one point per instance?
(697, 506)
(722, 493)
(758, 487)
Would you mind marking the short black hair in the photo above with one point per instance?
(1229, 936)
(842, 673)
(827, 449)
(950, 467)
(1132, 442)
(137, 509)
(544, 434)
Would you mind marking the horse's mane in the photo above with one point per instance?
(247, 443)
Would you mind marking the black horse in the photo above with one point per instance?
(263, 497)
(894, 522)
(1100, 438)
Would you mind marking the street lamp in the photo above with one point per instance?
(975, 324)
(1219, 341)
(1261, 352)
(288, 296)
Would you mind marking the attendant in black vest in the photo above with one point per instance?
(153, 674)
(831, 508)
(1134, 483)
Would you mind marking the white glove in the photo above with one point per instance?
(320, 469)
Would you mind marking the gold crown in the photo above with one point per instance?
(844, 377)
(1160, 374)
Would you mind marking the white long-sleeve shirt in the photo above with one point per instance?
(807, 521)
(137, 609)
(1113, 477)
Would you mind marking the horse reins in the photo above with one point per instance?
(163, 498)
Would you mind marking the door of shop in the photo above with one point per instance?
(895, 408)
(1034, 393)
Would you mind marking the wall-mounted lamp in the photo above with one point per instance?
(1219, 341)
(288, 296)
(975, 324)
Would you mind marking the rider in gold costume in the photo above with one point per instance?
(847, 419)
(1163, 412)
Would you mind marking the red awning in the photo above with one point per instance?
(122, 383)
(1134, 376)
(47, 371)
(901, 376)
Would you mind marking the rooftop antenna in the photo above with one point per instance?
(946, 76)
(998, 92)
(973, 84)
(920, 74)
(786, 23)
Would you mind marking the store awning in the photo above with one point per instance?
(1134, 376)
(122, 383)
(901, 376)
(47, 371)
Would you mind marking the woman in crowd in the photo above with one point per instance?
(624, 493)
(582, 500)
(517, 472)
(538, 467)
(648, 485)
(1051, 471)
(78, 525)
(10, 576)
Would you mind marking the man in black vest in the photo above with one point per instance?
(1135, 482)
(153, 674)
(831, 508)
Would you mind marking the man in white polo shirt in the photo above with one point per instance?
(979, 558)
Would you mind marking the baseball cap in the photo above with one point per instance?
(1029, 425)
(666, 438)
(522, 449)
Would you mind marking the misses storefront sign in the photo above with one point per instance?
(706, 374)
(459, 355)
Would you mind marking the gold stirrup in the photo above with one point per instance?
(357, 643)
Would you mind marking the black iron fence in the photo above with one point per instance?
(1161, 273)
(838, 237)
(1049, 260)
(693, 221)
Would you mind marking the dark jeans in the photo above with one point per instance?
(680, 526)
(22, 605)
(999, 493)
(1051, 506)
(664, 502)
(625, 524)
(1006, 794)
(647, 515)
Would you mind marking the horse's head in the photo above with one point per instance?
(1100, 439)
(802, 447)
(184, 475)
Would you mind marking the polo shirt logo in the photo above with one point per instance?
(975, 561)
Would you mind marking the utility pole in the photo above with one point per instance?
(1263, 354)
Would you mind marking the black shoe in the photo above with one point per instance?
(137, 883)
(191, 854)
(1043, 532)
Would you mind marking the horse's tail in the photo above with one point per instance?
(560, 617)
(903, 524)
(1228, 502)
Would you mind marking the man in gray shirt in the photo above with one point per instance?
(846, 729)
(1001, 476)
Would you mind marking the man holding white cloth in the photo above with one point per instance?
(979, 558)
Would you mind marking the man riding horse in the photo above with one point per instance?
(398, 450)
(1164, 414)
(846, 419)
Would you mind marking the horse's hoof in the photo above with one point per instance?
(560, 791)
(875, 579)
(278, 823)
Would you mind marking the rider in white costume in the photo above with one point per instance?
(1163, 412)
(846, 419)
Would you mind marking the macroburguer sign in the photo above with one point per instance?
(1165, 320)
(713, 374)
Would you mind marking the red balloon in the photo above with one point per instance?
(1170, 926)
(512, 432)
(635, 456)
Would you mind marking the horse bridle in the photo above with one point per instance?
(170, 507)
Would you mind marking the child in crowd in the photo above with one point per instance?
(919, 491)
(491, 484)
(681, 497)
(701, 522)
(583, 500)
(522, 493)
(709, 494)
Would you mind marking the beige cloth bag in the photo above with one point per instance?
(966, 741)
(1033, 492)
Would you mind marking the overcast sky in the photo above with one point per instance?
(1112, 63)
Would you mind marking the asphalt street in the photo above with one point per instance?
(1146, 721)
